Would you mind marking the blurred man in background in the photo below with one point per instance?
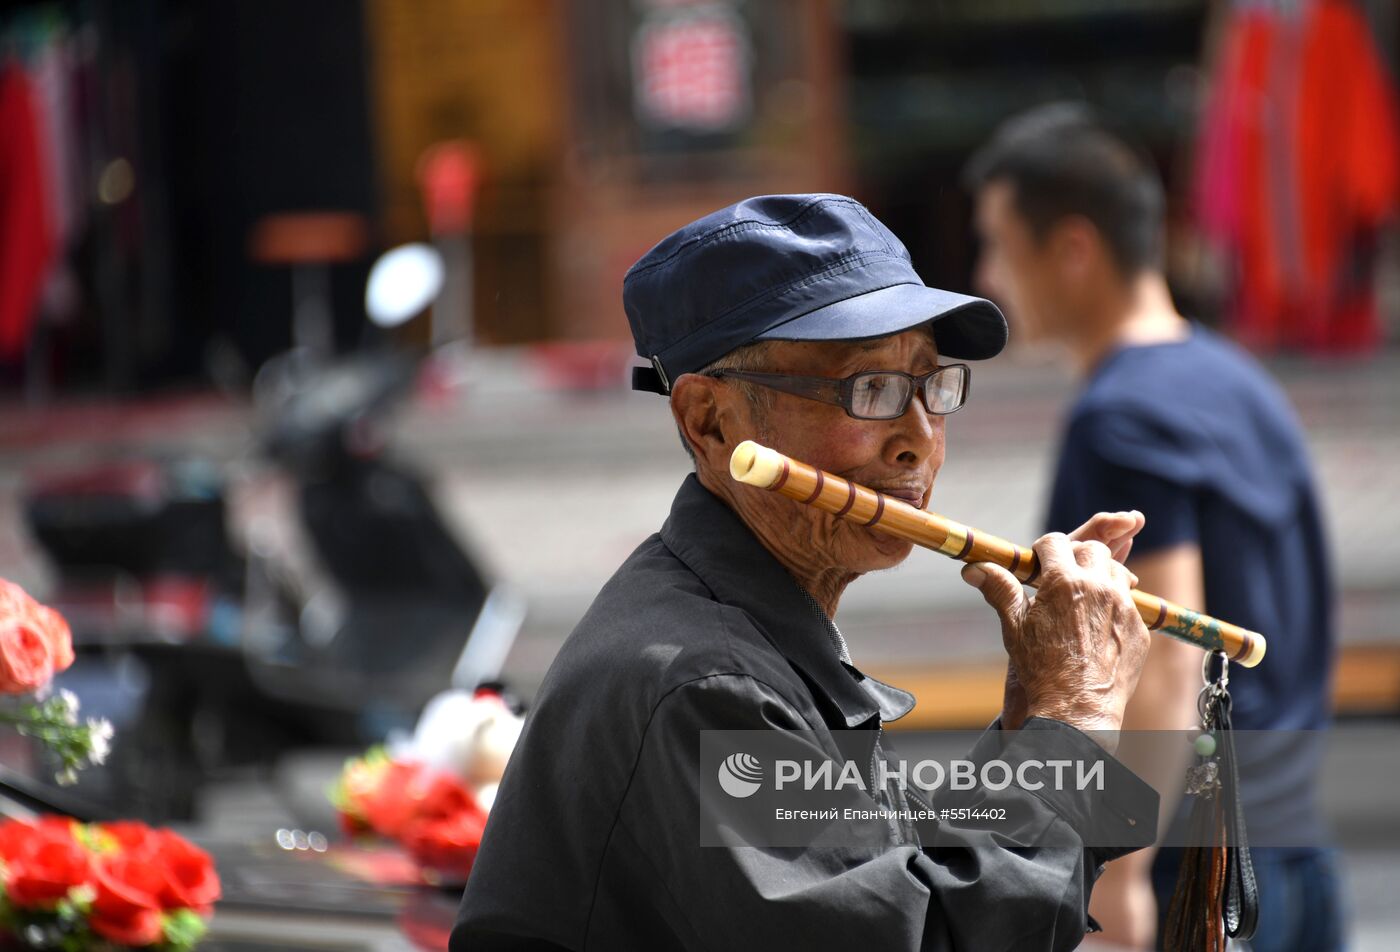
(1178, 423)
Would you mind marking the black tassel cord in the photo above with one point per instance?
(1216, 896)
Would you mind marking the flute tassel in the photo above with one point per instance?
(1194, 923)
(1216, 895)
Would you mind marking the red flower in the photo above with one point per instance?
(358, 782)
(448, 845)
(34, 641)
(391, 806)
(443, 796)
(57, 633)
(134, 872)
(26, 662)
(49, 862)
(133, 836)
(54, 824)
(19, 837)
(190, 879)
(126, 908)
(434, 814)
(352, 825)
(14, 601)
(446, 829)
(16, 837)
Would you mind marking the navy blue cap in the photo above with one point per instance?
(788, 267)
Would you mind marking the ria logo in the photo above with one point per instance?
(740, 775)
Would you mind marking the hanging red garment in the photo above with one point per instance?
(1232, 175)
(1297, 169)
(1349, 173)
(26, 233)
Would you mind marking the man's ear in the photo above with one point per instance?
(702, 408)
(1076, 243)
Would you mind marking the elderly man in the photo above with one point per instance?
(797, 320)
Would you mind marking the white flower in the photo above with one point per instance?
(70, 705)
(100, 733)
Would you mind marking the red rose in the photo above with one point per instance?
(358, 782)
(57, 633)
(17, 609)
(16, 837)
(393, 803)
(49, 864)
(14, 601)
(26, 662)
(126, 908)
(352, 825)
(443, 795)
(190, 879)
(447, 845)
(19, 837)
(57, 824)
(134, 837)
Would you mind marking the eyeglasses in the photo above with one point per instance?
(872, 394)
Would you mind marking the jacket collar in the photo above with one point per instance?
(715, 544)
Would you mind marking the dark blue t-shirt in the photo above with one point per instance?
(1196, 436)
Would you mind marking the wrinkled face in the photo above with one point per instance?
(900, 457)
(1013, 268)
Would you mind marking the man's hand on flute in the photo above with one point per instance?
(1076, 648)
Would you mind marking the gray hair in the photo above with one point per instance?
(752, 356)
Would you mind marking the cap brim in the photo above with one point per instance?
(964, 327)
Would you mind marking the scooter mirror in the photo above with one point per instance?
(403, 282)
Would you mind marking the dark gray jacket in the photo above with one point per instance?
(594, 840)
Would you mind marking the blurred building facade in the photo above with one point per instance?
(600, 126)
(172, 131)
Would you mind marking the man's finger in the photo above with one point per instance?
(1123, 545)
(1092, 554)
(1105, 526)
(1121, 548)
(1056, 554)
(1120, 574)
(1114, 529)
(999, 587)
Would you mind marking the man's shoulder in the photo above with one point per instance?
(1168, 384)
(1202, 416)
(655, 626)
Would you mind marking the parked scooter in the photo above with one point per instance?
(230, 666)
(365, 653)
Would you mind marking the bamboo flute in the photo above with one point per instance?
(756, 465)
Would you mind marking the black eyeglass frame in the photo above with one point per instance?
(840, 391)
